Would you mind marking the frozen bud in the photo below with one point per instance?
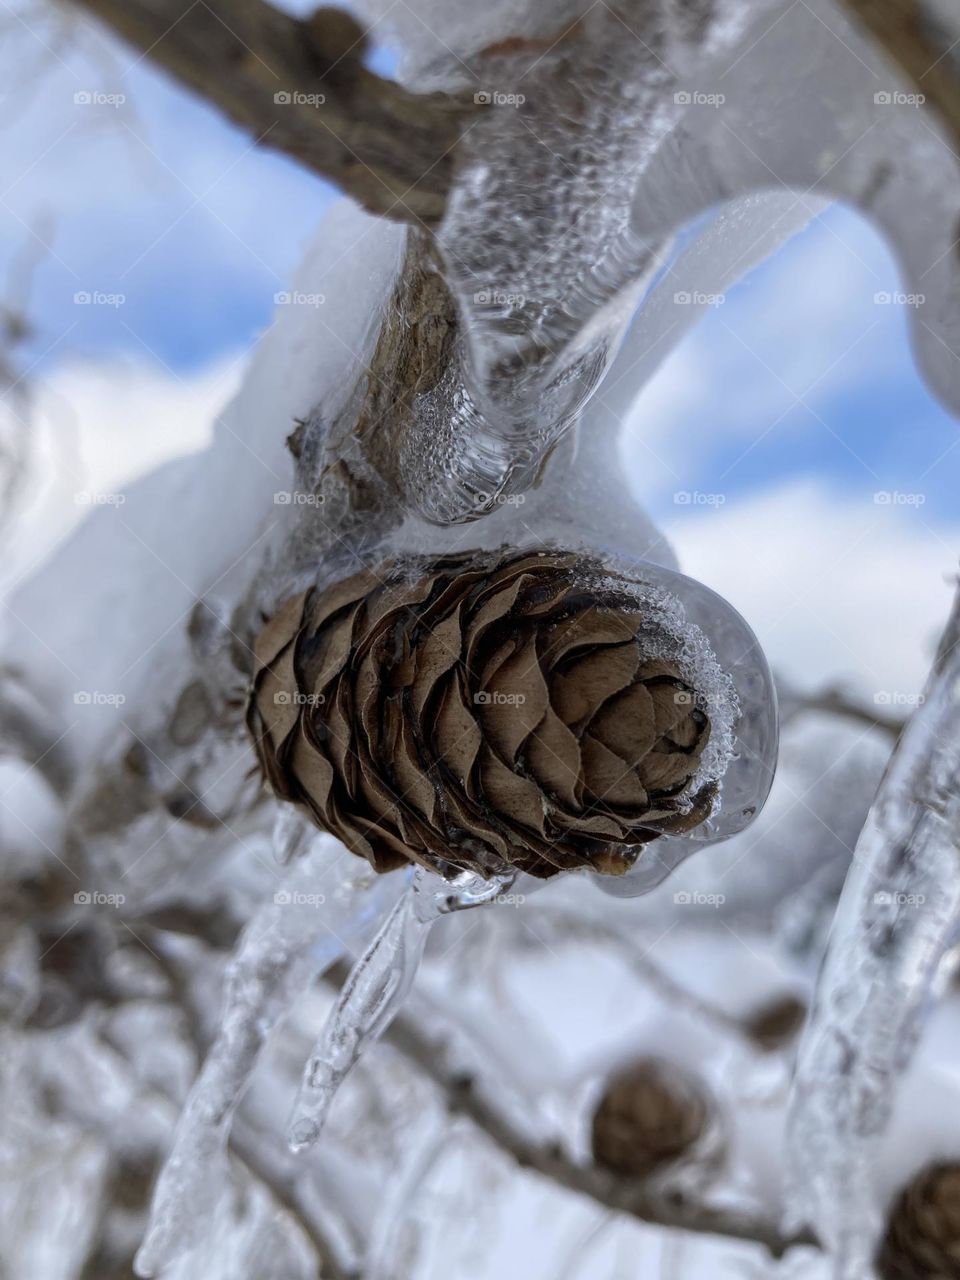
(922, 1240)
(774, 1025)
(650, 1115)
(487, 711)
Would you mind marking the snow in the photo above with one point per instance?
(223, 497)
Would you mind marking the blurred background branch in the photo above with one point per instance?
(302, 88)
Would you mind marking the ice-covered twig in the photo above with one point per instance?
(293, 936)
(262, 1163)
(898, 918)
(835, 702)
(467, 1094)
(375, 989)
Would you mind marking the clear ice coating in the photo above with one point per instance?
(891, 943)
(376, 988)
(727, 667)
(294, 936)
(594, 144)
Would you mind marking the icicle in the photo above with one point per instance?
(898, 918)
(375, 990)
(292, 937)
(290, 833)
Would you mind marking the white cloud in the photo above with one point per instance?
(834, 587)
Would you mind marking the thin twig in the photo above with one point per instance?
(835, 702)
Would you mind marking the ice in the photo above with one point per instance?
(293, 937)
(222, 497)
(889, 950)
(393, 1225)
(376, 988)
(620, 136)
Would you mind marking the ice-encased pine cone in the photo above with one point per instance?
(651, 1113)
(922, 1240)
(484, 712)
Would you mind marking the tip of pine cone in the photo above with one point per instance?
(922, 1236)
(651, 1114)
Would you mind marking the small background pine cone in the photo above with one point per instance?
(651, 1114)
(484, 712)
(776, 1024)
(922, 1240)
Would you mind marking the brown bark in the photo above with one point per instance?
(391, 150)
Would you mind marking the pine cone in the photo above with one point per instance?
(922, 1240)
(651, 1113)
(775, 1025)
(484, 713)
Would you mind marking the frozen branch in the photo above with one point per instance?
(834, 702)
(301, 87)
(465, 1096)
(913, 39)
(270, 1171)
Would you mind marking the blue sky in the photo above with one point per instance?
(161, 201)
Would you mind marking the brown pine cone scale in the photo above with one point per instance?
(482, 712)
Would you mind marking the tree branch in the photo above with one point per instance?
(300, 87)
(432, 1055)
(910, 36)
